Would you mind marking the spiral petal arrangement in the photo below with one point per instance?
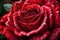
(33, 19)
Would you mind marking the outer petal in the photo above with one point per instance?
(1, 29)
(4, 18)
(55, 34)
(49, 14)
(10, 35)
(40, 37)
(57, 16)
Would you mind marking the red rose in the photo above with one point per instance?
(28, 18)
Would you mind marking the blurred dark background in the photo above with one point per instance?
(2, 9)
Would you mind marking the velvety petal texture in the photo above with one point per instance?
(31, 20)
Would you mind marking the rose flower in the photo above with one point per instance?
(28, 20)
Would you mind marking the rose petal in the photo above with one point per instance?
(9, 35)
(55, 34)
(40, 37)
